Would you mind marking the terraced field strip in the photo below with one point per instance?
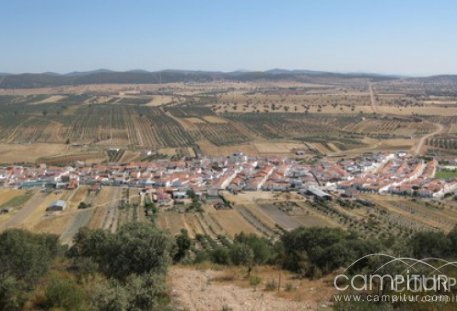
(211, 222)
(78, 196)
(135, 201)
(18, 217)
(99, 213)
(233, 222)
(33, 211)
(214, 223)
(428, 216)
(147, 135)
(347, 213)
(134, 136)
(446, 216)
(193, 225)
(172, 222)
(101, 203)
(314, 218)
(8, 194)
(66, 195)
(280, 217)
(131, 199)
(81, 219)
(141, 213)
(403, 218)
(442, 218)
(40, 213)
(256, 222)
(13, 199)
(124, 208)
(207, 229)
(112, 212)
(60, 222)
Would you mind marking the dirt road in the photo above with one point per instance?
(422, 140)
(372, 98)
(421, 143)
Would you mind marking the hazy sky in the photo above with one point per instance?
(386, 36)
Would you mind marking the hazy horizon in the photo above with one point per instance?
(224, 71)
(411, 38)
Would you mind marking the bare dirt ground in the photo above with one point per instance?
(51, 99)
(213, 150)
(159, 101)
(200, 290)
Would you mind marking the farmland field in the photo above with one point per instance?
(104, 211)
(79, 123)
(172, 222)
(306, 120)
(252, 213)
(269, 215)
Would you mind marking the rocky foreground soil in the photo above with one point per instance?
(196, 290)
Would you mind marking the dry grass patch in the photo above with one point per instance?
(54, 224)
(194, 120)
(159, 101)
(213, 150)
(232, 222)
(427, 111)
(214, 119)
(172, 222)
(39, 213)
(8, 194)
(278, 148)
(101, 207)
(216, 288)
(14, 153)
(78, 196)
(51, 99)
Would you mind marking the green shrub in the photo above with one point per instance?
(254, 280)
(271, 285)
(290, 287)
(220, 255)
(65, 294)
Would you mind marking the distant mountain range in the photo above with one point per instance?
(105, 76)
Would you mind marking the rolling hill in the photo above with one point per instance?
(103, 76)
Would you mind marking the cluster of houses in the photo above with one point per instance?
(403, 175)
(395, 173)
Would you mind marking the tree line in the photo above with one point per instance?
(126, 270)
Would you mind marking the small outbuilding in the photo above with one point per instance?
(6, 210)
(58, 205)
(318, 193)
